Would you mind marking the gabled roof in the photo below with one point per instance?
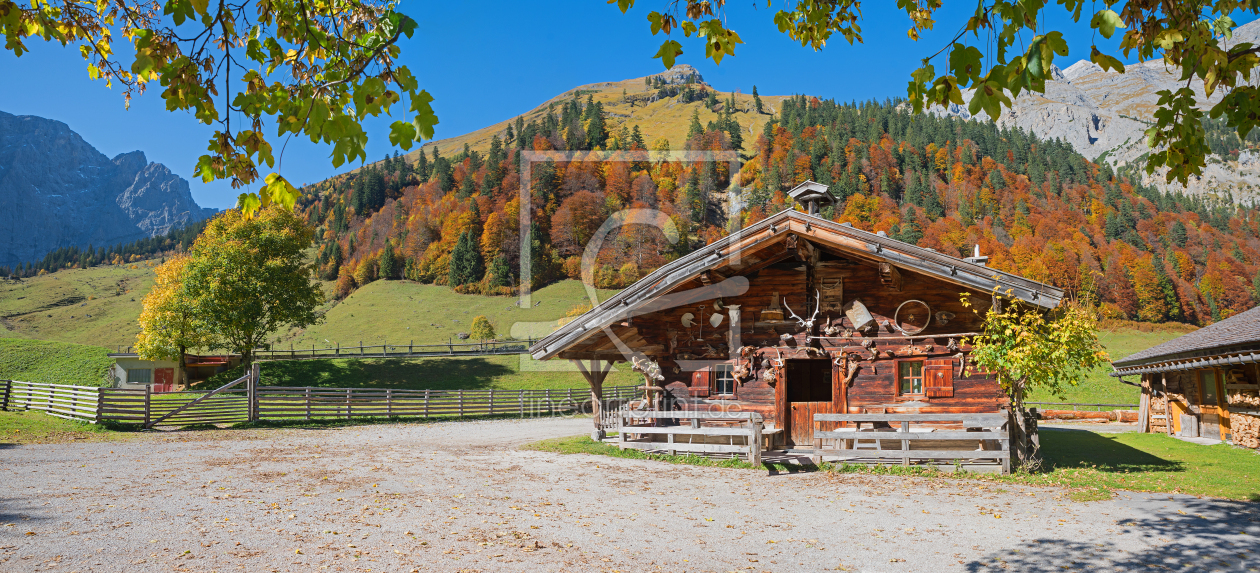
(1235, 335)
(637, 298)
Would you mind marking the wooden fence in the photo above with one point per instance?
(386, 350)
(244, 400)
(643, 430)
(929, 443)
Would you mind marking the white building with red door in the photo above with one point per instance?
(131, 371)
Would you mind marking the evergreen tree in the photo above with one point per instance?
(695, 129)
(756, 100)
(388, 263)
(500, 272)
(466, 266)
(637, 137)
(1178, 234)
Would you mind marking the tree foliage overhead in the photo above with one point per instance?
(315, 68)
(1004, 49)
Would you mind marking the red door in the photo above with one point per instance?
(163, 379)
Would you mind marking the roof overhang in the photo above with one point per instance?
(643, 296)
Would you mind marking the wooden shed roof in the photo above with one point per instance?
(641, 297)
(1236, 335)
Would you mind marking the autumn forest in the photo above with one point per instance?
(1036, 208)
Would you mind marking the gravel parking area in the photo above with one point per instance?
(461, 497)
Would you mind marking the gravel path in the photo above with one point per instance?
(461, 497)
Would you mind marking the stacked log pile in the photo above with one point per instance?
(1243, 405)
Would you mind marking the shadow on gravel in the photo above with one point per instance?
(1211, 535)
(13, 510)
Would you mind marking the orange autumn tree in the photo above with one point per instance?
(169, 322)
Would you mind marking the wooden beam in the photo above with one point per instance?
(890, 276)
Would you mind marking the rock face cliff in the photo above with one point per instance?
(1105, 115)
(56, 190)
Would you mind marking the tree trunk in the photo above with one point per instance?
(182, 371)
(1025, 441)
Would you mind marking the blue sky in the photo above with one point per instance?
(485, 63)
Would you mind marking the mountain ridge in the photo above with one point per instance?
(57, 190)
(1104, 116)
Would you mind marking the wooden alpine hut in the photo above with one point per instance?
(1203, 384)
(796, 316)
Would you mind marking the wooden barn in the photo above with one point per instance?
(1204, 384)
(797, 316)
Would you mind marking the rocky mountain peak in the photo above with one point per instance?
(56, 190)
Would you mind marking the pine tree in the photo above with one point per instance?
(695, 129)
(466, 266)
(388, 263)
(1178, 234)
(756, 100)
(637, 138)
(500, 272)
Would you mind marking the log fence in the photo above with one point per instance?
(386, 350)
(245, 400)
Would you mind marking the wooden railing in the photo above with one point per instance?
(1093, 407)
(645, 427)
(244, 400)
(60, 400)
(975, 429)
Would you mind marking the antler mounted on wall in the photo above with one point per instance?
(806, 324)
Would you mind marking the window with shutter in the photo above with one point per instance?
(724, 379)
(938, 378)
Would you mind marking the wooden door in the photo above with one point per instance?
(807, 386)
(163, 379)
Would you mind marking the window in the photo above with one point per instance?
(724, 379)
(910, 377)
(139, 376)
(808, 380)
(1207, 378)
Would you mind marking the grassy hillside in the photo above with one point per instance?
(1120, 339)
(401, 311)
(664, 118)
(52, 362)
(97, 306)
(497, 372)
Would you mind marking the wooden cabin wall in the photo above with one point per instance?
(875, 383)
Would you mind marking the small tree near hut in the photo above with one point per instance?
(1029, 348)
(169, 323)
(248, 278)
(482, 329)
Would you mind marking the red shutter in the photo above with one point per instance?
(938, 378)
(700, 383)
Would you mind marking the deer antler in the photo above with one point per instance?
(806, 324)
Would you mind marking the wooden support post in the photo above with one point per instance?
(348, 391)
(492, 401)
(148, 391)
(520, 401)
(905, 444)
(754, 443)
(255, 371)
(308, 402)
(100, 400)
(389, 403)
(621, 432)
(461, 403)
(1006, 447)
(4, 400)
(426, 403)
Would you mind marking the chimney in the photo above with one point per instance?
(977, 258)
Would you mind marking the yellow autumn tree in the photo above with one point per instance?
(169, 324)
